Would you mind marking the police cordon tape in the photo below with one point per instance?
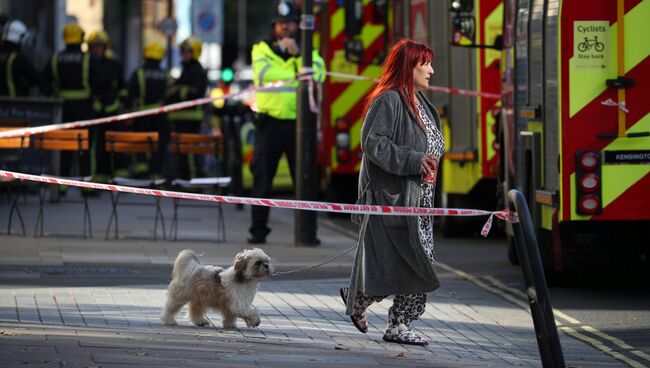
(137, 114)
(455, 91)
(13, 133)
(380, 210)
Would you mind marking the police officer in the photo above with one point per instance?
(106, 101)
(17, 74)
(191, 84)
(276, 59)
(72, 79)
(147, 87)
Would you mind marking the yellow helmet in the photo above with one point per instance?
(154, 50)
(73, 34)
(98, 37)
(194, 44)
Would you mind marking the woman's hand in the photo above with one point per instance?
(429, 166)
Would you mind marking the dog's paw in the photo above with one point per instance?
(201, 322)
(253, 322)
(168, 321)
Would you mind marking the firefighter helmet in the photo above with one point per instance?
(285, 12)
(154, 50)
(15, 32)
(73, 34)
(98, 37)
(194, 44)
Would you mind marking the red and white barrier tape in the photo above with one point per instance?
(456, 91)
(505, 214)
(205, 100)
(620, 105)
(133, 115)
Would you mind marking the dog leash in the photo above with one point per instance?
(314, 266)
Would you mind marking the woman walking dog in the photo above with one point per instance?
(402, 145)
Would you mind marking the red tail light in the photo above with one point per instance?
(589, 204)
(588, 160)
(589, 182)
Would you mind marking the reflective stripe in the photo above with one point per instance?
(142, 87)
(193, 114)
(261, 59)
(10, 78)
(279, 90)
(260, 77)
(73, 94)
(112, 107)
(150, 106)
(183, 92)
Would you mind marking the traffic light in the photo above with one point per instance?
(227, 75)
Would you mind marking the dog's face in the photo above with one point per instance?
(252, 264)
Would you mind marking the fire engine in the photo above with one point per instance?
(571, 129)
(575, 127)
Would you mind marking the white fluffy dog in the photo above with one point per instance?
(229, 291)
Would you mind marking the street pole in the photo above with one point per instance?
(170, 50)
(306, 167)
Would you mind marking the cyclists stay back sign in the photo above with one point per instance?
(590, 44)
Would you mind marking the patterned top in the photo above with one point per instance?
(435, 147)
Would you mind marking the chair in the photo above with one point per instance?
(63, 140)
(13, 161)
(189, 143)
(132, 143)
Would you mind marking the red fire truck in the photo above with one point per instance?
(571, 130)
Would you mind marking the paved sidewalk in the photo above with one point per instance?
(303, 324)
(303, 321)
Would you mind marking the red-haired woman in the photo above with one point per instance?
(402, 145)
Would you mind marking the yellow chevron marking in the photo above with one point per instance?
(337, 23)
(369, 33)
(616, 179)
(493, 28)
(350, 97)
(585, 85)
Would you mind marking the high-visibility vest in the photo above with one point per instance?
(11, 86)
(142, 88)
(68, 93)
(280, 102)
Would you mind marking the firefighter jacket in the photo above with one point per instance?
(70, 74)
(192, 84)
(111, 86)
(17, 74)
(147, 85)
(270, 64)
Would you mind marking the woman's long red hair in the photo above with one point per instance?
(398, 71)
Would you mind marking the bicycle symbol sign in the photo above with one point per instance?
(590, 45)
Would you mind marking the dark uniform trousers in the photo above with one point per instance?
(272, 138)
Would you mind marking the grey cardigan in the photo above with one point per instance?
(390, 259)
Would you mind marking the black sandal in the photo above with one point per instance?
(359, 321)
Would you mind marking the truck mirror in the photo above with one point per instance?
(463, 30)
(462, 6)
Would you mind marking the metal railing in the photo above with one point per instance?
(548, 340)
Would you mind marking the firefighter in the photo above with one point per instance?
(73, 79)
(107, 101)
(276, 59)
(17, 74)
(192, 84)
(146, 90)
